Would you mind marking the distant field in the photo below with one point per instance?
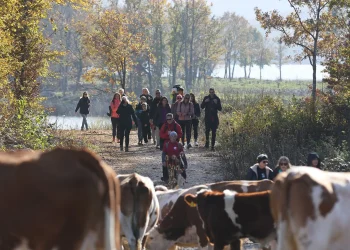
(242, 88)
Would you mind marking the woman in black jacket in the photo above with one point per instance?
(195, 118)
(125, 112)
(84, 106)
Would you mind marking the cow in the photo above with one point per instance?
(180, 224)
(310, 208)
(139, 208)
(229, 216)
(58, 199)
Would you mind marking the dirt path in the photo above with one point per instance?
(203, 165)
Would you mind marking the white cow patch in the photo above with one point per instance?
(89, 242)
(244, 186)
(109, 229)
(229, 201)
(23, 246)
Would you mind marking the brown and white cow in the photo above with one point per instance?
(228, 216)
(139, 208)
(310, 208)
(60, 199)
(180, 224)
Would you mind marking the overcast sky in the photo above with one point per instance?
(245, 8)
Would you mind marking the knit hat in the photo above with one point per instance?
(261, 158)
(173, 134)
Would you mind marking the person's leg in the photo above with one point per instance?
(213, 136)
(161, 141)
(127, 134)
(183, 128)
(85, 122)
(144, 132)
(153, 134)
(114, 128)
(122, 131)
(139, 130)
(157, 136)
(188, 132)
(195, 123)
(207, 131)
(82, 122)
(149, 134)
(118, 129)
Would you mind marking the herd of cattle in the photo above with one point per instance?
(68, 199)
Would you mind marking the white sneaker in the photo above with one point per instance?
(196, 143)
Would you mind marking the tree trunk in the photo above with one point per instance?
(314, 83)
(260, 72)
(233, 68)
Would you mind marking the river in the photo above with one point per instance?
(74, 122)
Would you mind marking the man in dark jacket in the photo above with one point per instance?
(260, 170)
(212, 105)
(313, 160)
(84, 106)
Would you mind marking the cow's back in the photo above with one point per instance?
(46, 195)
(139, 209)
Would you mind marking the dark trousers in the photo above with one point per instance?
(186, 128)
(165, 173)
(149, 133)
(213, 127)
(145, 129)
(124, 132)
(195, 123)
(115, 127)
(161, 141)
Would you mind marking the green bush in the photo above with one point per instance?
(270, 126)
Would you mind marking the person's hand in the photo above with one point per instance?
(215, 101)
(151, 121)
(109, 114)
(207, 100)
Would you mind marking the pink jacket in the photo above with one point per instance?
(185, 111)
(114, 107)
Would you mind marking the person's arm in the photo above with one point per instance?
(133, 115)
(178, 131)
(272, 175)
(218, 105)
(163, 133)
(191, 110)
(198, 110)
(250, 174)
(119, 110)
(110, 111)
(203, 102)
(78, 106)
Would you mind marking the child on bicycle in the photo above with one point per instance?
(174, 150)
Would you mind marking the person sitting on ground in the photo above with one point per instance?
(260, 170)
(173, 149)
(144, 119)
(169, 126)
(313, 160)
(283, 165)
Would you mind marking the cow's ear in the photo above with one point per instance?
(191, 200)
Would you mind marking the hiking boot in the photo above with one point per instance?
(118, 141)
(212, 149)
(154, 142)
(113, 140)
(121, 148)
(189, 146)
(196, 143)
(126, 149)
(82, 129)
(206, 144)
(140, 143)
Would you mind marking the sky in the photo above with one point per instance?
(245, 8)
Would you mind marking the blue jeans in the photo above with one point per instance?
(139, 129)
(84, 121)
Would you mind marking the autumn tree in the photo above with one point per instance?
(306, 32)
(114, 43)
(264, 54)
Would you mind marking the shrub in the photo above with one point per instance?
(270, 126)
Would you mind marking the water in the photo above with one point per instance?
(289, 72)
(74, 122)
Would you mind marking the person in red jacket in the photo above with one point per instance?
(174, 150)
(168, 126)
